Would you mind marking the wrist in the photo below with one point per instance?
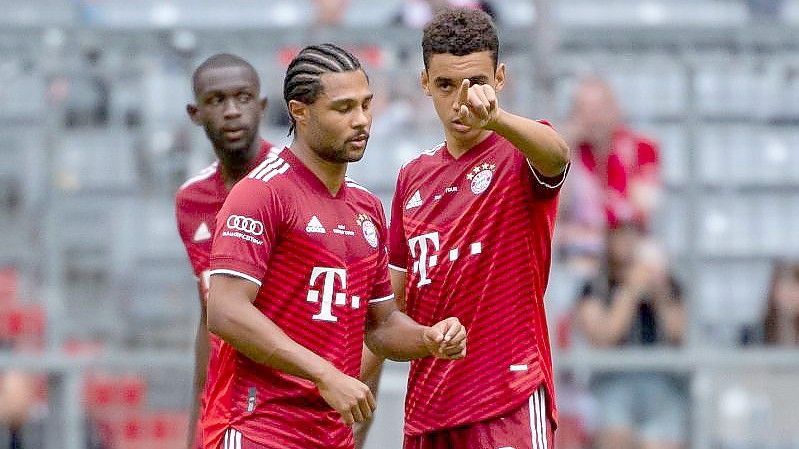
(321, 372)
(497, 123)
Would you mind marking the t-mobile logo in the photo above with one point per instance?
(328, 287)
(426, 257)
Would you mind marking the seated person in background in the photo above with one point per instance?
(636, 302)
(615, 175)
(781, 322)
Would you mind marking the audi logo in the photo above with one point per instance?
(245, 224)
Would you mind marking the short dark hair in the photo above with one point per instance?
(222, 60)
(303, 76)
(460, 31)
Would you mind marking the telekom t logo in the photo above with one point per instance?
(328, 287)
(426, 257)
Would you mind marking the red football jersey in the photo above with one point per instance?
(196, 204)
(474, 236)
(319, 261)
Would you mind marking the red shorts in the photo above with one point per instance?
(527, 427)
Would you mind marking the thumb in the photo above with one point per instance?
(434, 334)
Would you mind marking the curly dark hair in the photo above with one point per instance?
(460, 31)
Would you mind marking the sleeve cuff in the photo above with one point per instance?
(383, 299)
(236, 274)
(553, 182)
(396, 268)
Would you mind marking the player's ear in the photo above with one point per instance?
(424, 80)
(299, 111)
(499, 75)
(194, 113)
(263, 103)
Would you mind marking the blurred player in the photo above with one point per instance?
(471, 231)
(229, 107)
(299, 272)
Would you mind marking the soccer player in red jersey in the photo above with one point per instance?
(228, 105)
(299, 277)
(471, 232)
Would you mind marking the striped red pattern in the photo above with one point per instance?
(196, 204)
(486, 223)
(307, 234)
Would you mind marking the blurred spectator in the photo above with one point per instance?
(88, 101)
(330, 12)
(614, 176)
(637, 302)
(416, 13)
(17, 399)
(780, 325)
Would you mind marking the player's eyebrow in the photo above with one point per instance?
(480, 79)
(349, 100)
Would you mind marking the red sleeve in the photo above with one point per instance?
(398, 245)
(648, 160)
(381, 291)
(246, 229)
(183, 224)
(545, 187)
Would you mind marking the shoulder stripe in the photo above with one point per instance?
(205, 173)
(278, 171)
(429, 152)
(265, 167)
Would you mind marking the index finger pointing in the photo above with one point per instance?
(463, 92)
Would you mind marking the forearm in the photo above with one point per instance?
(543, 147)
(250, 332)
(201, 349)
(671, 318)
(398, 337)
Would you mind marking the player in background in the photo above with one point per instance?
(229, 107)
(471, 231)
(299, 278)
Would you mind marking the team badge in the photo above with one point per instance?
(369, 230)
(481, 176)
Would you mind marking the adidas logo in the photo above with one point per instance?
(415, 201)
(202, 233)
(314, 225)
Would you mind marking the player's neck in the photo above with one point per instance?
(331, 174)
(233, 167)
(457, 146)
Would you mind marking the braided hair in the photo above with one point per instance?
(303, 76)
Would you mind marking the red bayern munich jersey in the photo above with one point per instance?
(196, 204)
(319, 260)
(474, 236)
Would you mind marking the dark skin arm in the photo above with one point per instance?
(201, 350)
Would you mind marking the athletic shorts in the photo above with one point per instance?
(527, 427)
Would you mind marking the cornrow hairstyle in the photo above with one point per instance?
(460, 32)
(303, 76)
(223, 60)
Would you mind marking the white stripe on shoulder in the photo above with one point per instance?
(236, 274)
(269, 169)
(429, 152)
(205, 173)
(383, 299)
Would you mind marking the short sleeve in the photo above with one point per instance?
(247, 227)
(398, 245)
(381, 290)
(187, 219)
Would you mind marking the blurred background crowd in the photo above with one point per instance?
(674, 296)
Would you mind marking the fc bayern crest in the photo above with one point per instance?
(369, 230)
(481, 176)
